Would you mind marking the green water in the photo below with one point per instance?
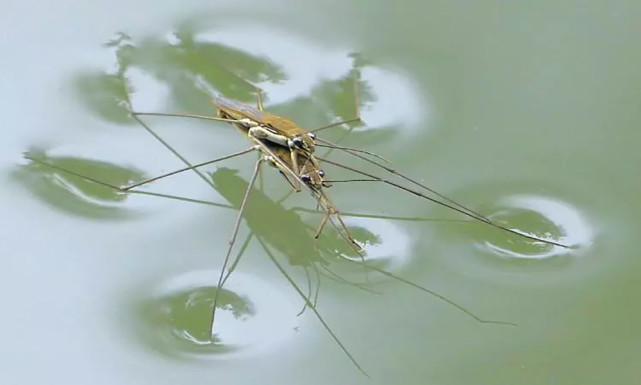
(527, 112)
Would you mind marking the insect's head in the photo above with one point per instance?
(315, 179)
(304, 142)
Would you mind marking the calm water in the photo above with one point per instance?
(528, 113)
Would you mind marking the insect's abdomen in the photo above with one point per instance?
(284, 126)
(237, 110)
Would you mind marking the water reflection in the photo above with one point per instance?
(186, 68)
(311, 70)
(551, 218)
(392, 247)
(316, 86)
(284, 229)
(252, 316)
(538, 216)
(71, 193)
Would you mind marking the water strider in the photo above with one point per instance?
(291, 149)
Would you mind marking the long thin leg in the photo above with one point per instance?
(318, 283)
(232, 240)
(350, 240)
(243, 80)
(309, 291)
(71, 172)
(354, 152)
(337, 278)
(259, 98)
(336, 147)
(328, 207)
(349, 236)
(294, 156)
(357, 105)
(173, 151)
(119, 189)
(392, 217)
(237, 259)
(444, 204)
(321, 226)
(312, 307)
(407, 178)
(432, 293)
(261, 178)
(182, 115)
(138, 184)
(181, 198)
(276, 161)
(293, 186)
(353, 120)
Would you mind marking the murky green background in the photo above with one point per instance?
(526, 111)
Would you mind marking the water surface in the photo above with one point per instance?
(528, 113)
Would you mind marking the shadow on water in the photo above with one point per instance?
(74, 194)
(284, 229)
(193, 70)
(178, 320)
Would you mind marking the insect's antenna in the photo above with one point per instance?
(434, 294)
(407, 178)
(232, 240)
(312, 307)
(336, 147)
(444, 204)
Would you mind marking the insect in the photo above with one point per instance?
(292, 151)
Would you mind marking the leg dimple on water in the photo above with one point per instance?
(251, 316)
(541, 217)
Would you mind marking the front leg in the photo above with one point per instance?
(263, 133)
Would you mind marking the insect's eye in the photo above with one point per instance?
(321, 173)
(312, 135)
(305, 178)
(298, 142)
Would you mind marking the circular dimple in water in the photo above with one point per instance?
(75, 190)
(539, 217)
(251, 316)
(385, 244)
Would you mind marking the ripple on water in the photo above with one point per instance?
(251, 316)
(387, 246)
(45, 177)
(537, 216)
